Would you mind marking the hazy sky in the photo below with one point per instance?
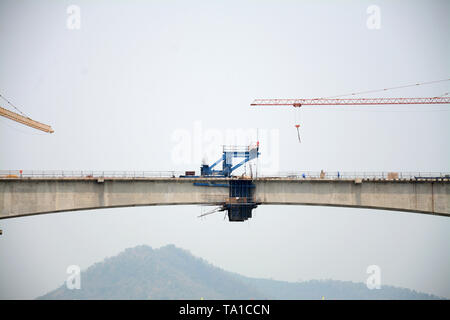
(157, 85)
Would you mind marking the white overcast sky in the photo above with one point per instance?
(141, 80)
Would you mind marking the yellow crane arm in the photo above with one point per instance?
(24, 120)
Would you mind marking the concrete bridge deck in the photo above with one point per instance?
(31, 195)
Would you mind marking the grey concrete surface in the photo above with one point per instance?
(30, 196)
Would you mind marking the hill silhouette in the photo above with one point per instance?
(173, 273)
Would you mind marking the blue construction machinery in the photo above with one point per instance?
(240, 201)
(229, 153)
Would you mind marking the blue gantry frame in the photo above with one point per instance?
(229, 153)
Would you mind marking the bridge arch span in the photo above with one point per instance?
(32, 196)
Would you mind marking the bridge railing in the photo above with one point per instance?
(354, 175)
(175, 174)
(87, 174)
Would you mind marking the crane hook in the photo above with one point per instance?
(298, 133)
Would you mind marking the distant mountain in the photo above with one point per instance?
(173, 273)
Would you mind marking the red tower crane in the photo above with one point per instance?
(347, 102)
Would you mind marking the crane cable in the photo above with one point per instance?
(297, 122)
(385, 89)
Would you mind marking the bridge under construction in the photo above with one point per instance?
(24, 193)
(27, 193)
